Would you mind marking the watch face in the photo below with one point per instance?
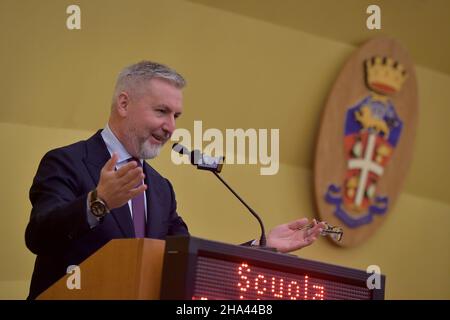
(98, 209)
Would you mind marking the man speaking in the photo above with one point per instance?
(92, 191)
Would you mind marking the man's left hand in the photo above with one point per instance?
(294, 235)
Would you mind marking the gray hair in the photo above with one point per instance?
(131, 77)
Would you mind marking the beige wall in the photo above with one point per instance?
(243, 73)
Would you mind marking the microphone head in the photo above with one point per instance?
(198, 159)
(180, 149)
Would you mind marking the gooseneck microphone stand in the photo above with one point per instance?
(262, 240)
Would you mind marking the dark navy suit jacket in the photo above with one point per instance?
(58, 231)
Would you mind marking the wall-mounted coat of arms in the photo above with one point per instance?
(365, 141)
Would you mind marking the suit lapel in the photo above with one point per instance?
(154, 222)
(97, 156)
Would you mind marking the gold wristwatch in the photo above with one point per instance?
(98, 206)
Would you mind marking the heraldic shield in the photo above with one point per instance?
(372, 130)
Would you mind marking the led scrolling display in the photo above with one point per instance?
(218, 279)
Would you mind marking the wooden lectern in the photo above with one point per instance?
(122, 269)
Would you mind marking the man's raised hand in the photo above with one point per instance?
(117, 187)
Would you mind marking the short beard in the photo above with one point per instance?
(144, 149)
(147, 150)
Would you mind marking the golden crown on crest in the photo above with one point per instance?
(384, 75)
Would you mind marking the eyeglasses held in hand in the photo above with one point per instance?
(333, 232)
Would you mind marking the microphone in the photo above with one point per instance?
(202, 161)
(215, 164)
